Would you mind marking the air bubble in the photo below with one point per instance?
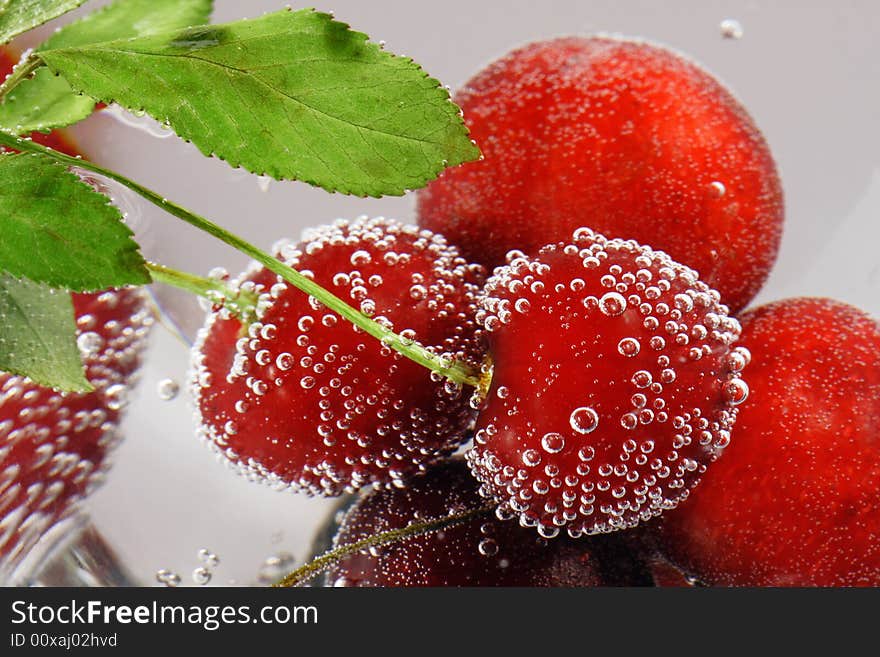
(553, 442)
(284, 361)
(629, 347)
(117, 397)
(208, 558)
(167, 577)
(731, 29)
(586, 453)
(684, 303)
(201, 576)
(612, 304)
(717, 189)
(738, 359)
(583, 419)
(167, 389)
(736, 391)
(360, 257)
(89, 343)
(642, 379)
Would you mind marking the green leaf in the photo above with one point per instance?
(57, 230)
(19, 16)
(43, 103)
(292, 95)
(46, 101)
(125, 19)
(38, 335)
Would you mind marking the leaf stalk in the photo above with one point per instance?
(318, 565)
(457, 371)
(241, 303)
(23, 70)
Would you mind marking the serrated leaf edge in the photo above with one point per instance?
(131, 247)
(87, 385)
(433, 172)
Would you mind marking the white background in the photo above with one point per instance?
(807, 71)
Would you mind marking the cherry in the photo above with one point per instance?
(54, 446)
(626, 137)
(795, 501)
(483, 551)
(304, 400)
(615, 385)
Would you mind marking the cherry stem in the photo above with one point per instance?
(457, 371)
(241, 303)
(22, 70)
(319, 564)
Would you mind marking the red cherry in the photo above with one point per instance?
(615, 385)
(57, 139)
(480, 552)
(795, 501)
(54, 445)
(625, 137)
(302, 399)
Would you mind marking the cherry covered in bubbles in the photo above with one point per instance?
(626, 137)
(482, 551)
(304, 400)
(616, 384)
(54, 446)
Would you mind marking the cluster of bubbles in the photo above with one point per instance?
(54, 445)
(617, 422)
(201, 574)
(356, 416)
(168, 577)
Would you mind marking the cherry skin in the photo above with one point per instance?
(626, 137)
(795, 500)
(484, 551)
(54, 446)
(303, 400)
(616, 384)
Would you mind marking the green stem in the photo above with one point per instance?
(459, 372)
(21, 71)
(318, 565)
(242, 304)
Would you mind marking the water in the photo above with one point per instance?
(166, 496)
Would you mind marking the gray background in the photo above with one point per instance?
(807, 71)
